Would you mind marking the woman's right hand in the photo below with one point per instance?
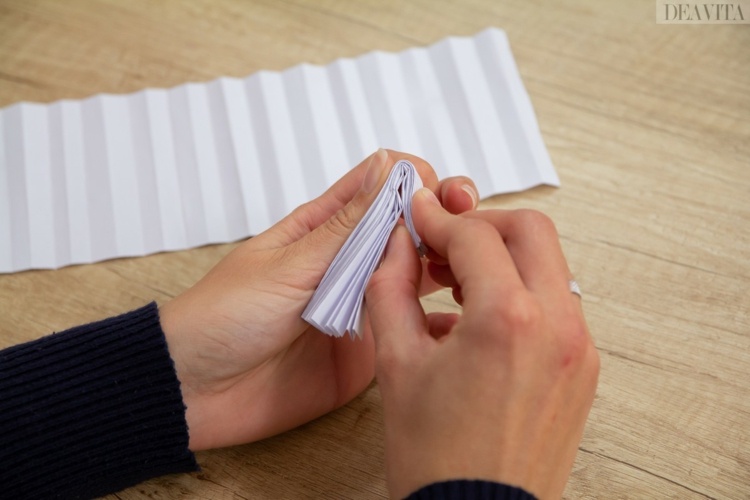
(500, 392)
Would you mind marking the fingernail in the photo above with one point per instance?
(372, 176)
(428, 195)
(473, 193)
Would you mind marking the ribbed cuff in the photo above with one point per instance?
(464, 489)
(91, 410)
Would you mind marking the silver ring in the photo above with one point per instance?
(574, 288)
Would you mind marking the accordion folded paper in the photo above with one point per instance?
(168, 169)
(336, 305)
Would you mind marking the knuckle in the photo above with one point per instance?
(578, 351)
(299, 218)
(584, 365)
(304, 210)
(522, 314)
(378, 285)
(574, 349)
(535, 220)
(476, 229)
(298, 211)
(342, 222)
(424, 169)
(592, 363)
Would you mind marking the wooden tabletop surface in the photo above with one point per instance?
(648, 126)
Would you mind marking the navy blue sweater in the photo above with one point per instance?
(97, 408)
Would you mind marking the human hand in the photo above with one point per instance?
(248, 365)
(500, 392)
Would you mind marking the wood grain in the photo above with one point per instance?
(649, 128)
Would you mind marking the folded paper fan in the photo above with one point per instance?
(336, 306)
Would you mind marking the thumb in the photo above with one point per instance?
(392, 296)
(322, 243)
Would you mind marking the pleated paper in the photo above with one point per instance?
(336, 306)
(168, 169)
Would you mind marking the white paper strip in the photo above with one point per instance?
(125, 175)
(336, 306)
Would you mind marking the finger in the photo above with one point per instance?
(481, 264)
(433, 256)
(316, 249)
(352, 189)
(434, 280)
(441, 324)
(456, 292)
(424, 169)
(428, 285)
(533, 243)
(457, 194)
(396, 315)
(442, 274)
(312, 214)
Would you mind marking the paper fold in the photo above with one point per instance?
(336, 306)
(125, 175)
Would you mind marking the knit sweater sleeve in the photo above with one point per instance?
(466, 489)
(91, 410)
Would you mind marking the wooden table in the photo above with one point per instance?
(649, 128)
